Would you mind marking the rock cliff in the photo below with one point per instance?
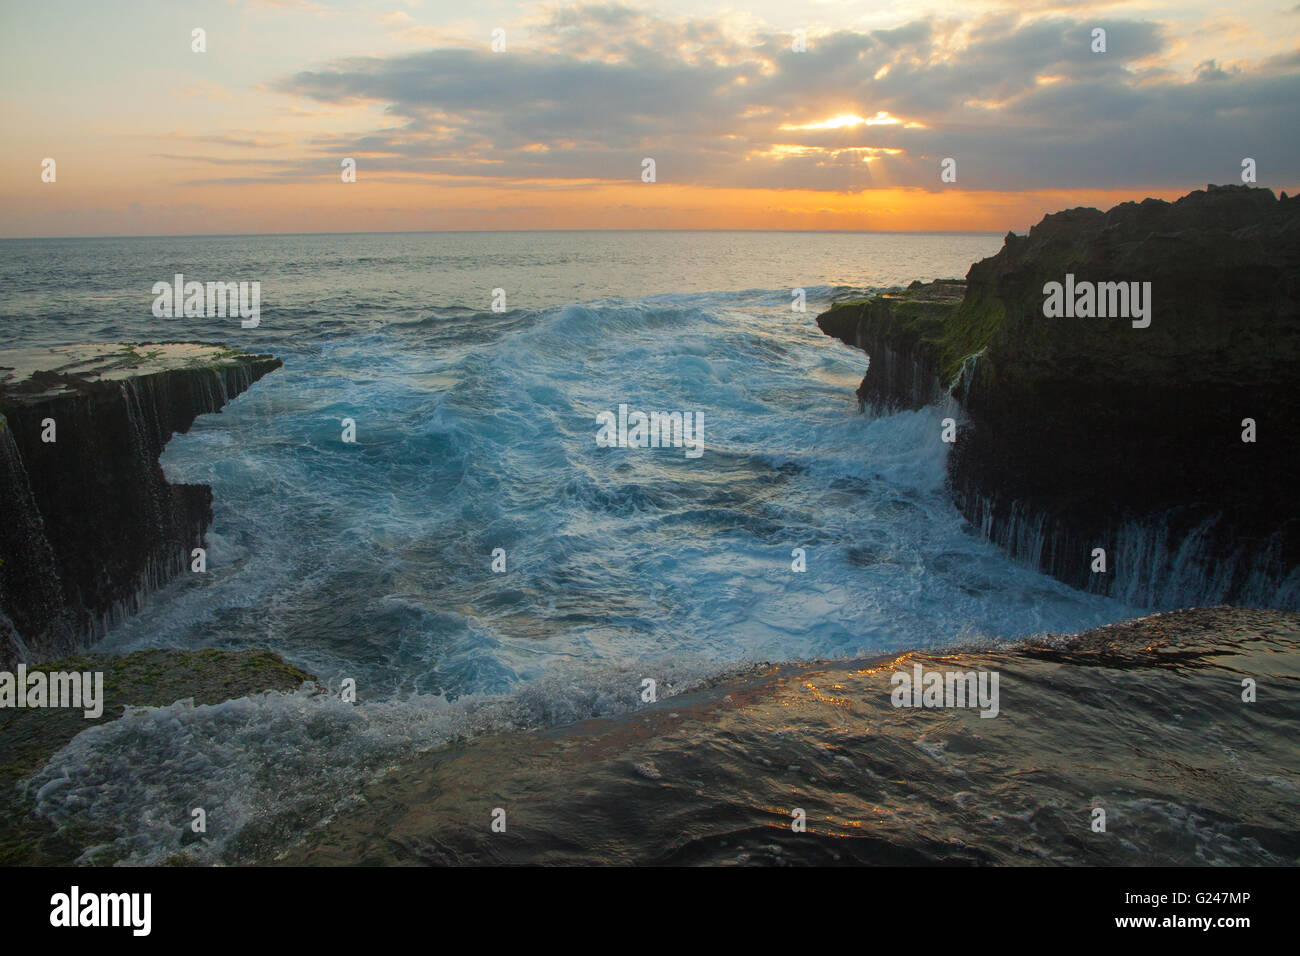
(1080, 433)
(88, 522)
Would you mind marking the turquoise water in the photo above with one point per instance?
(476, 431)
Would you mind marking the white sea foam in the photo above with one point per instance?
(268, 769)
(371, 561)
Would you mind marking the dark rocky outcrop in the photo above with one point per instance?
(89, 523)
(1083, 433)
(904, 335)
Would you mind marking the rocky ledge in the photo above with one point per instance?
(1149, 721)
(1170, 445)
(88, 521)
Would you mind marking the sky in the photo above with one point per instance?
(551, 129)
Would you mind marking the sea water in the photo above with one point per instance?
(378, 561)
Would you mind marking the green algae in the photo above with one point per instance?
(934, 319)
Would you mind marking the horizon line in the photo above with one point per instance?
(405, 232)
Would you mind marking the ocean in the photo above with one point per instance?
(372, 561)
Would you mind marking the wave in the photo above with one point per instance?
(806, 531)
(478, 432)
(713, 770)
(270, 769)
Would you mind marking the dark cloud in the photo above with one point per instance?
(1020, 104)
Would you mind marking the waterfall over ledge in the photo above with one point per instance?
(1169, 446)
(89, 524)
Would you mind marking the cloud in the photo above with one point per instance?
(586, 92)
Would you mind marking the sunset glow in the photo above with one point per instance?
(551, 131)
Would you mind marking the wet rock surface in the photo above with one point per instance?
(1144, 719)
